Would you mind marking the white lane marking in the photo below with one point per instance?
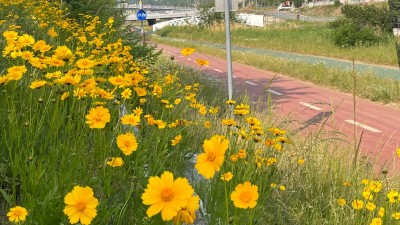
(189, 59)
(274, 92)
(251, 83)
(234, 76)
(363, 126)
(310, 106)
(218, 70)
(181, 56)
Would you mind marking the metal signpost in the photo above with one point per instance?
(141, 15)
(233, 6)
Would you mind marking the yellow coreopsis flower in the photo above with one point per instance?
(126, 94)
(341, 201)
(115, 162)
(227, 176)
(130, 119)
(166, 195)
(187, 214)
(358, 204)
(80, 205)
(245, 195)
(370, 206)
(202, 62)
(37, 84)
(98, 117)
(187, 51)
(393, 196)
(213, 157)
(376, 221)
(17, 214)
(85, 63)
(396, 215)
(127, 143)
(176, 140)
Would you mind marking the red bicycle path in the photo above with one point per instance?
(377, 124)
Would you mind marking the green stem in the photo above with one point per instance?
(226, 204)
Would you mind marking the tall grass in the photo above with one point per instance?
(49, 146)
(294, 36)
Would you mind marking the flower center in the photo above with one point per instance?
(80, 206)
(211, 156)
(167, 194)
(17, 213)
(245, 196)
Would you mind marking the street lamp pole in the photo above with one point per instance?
(228, 47)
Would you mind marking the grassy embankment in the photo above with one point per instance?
(76, 101)
(297, 39)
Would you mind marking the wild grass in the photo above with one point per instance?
(369, 86)
(48, 145)
(307, 38)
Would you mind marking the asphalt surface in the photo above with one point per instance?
(310, 105)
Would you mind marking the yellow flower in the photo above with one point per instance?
(227, 176)
(367, 195)
(126, 94)
(245, 195)
(187, 51)
(273, 185)
(157, 90)
(85, 63)
(358, 204)
(370, 206)
(282, 188)
(341, 201)
(130, 119)
(127, 143)
(166, 195)
(398, 151)
(396, 215)
(346, 184)
(202, 62)
(140, 91)
(381, 212)
(393, 196)
(37, 84)
(63, 52)
(213, 157)
(115, 162)
(301, 161)
(187, 214)
(17, 214)
(80, 205)
(230, 102)
(376, 221)
(242, 153)
(207, 124)
(98, 117)
(241, 109)
(64, 96)
(176, 140)
(228, 122)
(234, 158)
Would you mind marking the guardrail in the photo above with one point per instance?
(165, 15)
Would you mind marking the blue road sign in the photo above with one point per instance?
(141, 14)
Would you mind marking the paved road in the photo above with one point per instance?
(378, 70)
(310, 105)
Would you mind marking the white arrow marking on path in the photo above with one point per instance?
(274, 92)
(218, 70)
(363, 126)
(310, 106)
(251, 83)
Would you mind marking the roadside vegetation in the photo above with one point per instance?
(91, 135)
(369, 86)
(292, 36)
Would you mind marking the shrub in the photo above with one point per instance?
(337, 3)
(362, 25)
